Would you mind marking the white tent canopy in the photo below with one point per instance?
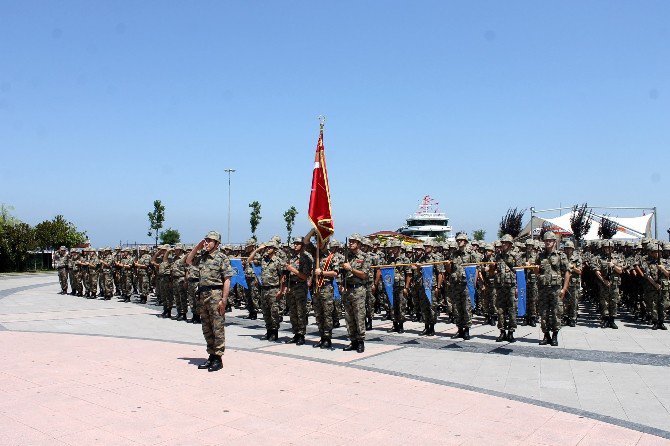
(629, 227)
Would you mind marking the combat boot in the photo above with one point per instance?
(571, 323)
(432, 330)
(165, 314)
(181, 317)
(655, 326)
(533, 322)
(206, 364)
(605, 322)
(554, 339)
(320, 343)
(459, 334)
(662, 326)
(466, 334)
(327, 343)
(216, 364)
(336, 322)
(268, 335)
(368, 323)
(361, 347)
(401, 329)
(510, 336)
(395, 326)
(352, 346)
(502, 336)
(612, 323)
(546, 340)
(300, 340)
(196, 319)
(426, 330)
(293, 340)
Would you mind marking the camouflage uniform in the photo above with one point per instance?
(214, 269)
(532, 293)
(144, 263)
(552, 269)
(60, 262)
(296, 294)
(252, 294)
(117, 271)
(609, 293)
(272, 271)
(75, 274)
(430, 308)
(488, 287)
(506, 298)
(106, 274)
(658, 291)
(322, 297)
(353, 296)
(164, 285)
(193, 277)
(574, 294)
(93, 273)
(460, 297)
(178, 276)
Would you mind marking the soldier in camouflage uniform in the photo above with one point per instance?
(163, 279)
(575, 289)
(355, 273)
(215, 273)
(93, 273)
(430, 307)
(370, 291)
(126, 265)
(506, 293)
(60, 263)
(460, 297)
(488, 288)
(106, 273)
(178, 276)
(73, 270)
(252, 294)
(322, 295)
(299, 272)
(272, 285)
(608, 271)
(193, 280)
(83, 271)
(338, 306)
(554, 274)
(402, 279)
(117, 271)
(658, 278)
(142, 266)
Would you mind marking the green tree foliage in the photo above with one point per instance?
(440, 239)
(170, 236)
(580, 222)
(289, 218)
(156, 219)
(608, 228)
(51, 234)
(15, 242)
(511, 223)
(255, 218)
(479, 234)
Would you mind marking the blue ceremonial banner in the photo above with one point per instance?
(521, 291)
(336, 290)
(427, 276)
(238, 274)
(388, 277)
(309, 295)
(257, 271)
(471, 278)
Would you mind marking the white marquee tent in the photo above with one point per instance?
(629, 227)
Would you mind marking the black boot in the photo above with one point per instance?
(216, 365)
(320, 343)
(459, 334)
(401, 329)
(510, 336)
(181, 317)
(352, 346)
(554, 339)
(293, 340)
(546, 340)
(502, 337)
(166, 314)
(336, 322)
(368, 323)
(604, 323)
(533, 322)
(206, 364)
(425, 330)
(327, 344)
(301, 340)
(395, 326)
(571, 323)
(662, 326)
(655, 326)
(466, 334)
(432, 330)
(196, 319)
(252, 315)
(361, 347)
(274, 335)
(612, 323)
(268, 335)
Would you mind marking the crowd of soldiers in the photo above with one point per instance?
(332, 281)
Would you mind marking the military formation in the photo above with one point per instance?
(335, 281)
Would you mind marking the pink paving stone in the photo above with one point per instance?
(117, 399)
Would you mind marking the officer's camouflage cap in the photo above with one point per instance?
(356, 237)
(507, 239)
(213, 235)
(549, 236)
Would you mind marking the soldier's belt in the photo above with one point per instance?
(194, 280)
(205, 288)
(269, 287)
(296, 283)
(354, 285)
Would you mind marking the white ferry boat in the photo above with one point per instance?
(427, 222)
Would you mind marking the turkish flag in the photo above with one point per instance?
(319, 200)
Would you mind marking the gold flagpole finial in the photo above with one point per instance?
(322, 121)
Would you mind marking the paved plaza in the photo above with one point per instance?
(78, 371)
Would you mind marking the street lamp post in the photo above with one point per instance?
(229, 171)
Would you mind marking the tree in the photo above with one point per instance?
(289, 218)
(440, 238)
(170, 236)
(580, 222)
(479, 234)
(608, 228)
(255, 218)
(156, 219)
(15, 242)
(51, 234)
(6, 217)
(511, 223)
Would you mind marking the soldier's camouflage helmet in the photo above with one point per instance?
(179, 247)
(530, 242)
(488, 247)
(666, 246)
(356, 237)
(462, 237)
(393, 243)
(213, 235)
(653, 246)
(251, 242)
(429, 243)
(335, 243)
(507, 239)
(569, 245)
(295, 240)
(62, 248)
(607, 244)
(549, 236)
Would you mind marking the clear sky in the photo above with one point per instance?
(107, 106)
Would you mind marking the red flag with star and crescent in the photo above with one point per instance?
(319, 200)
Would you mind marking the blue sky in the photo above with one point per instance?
(106, 106)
